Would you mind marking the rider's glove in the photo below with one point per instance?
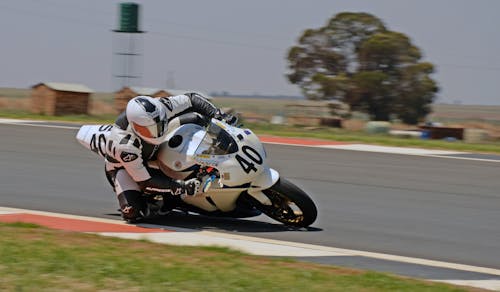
(225, 117)
(178, 187)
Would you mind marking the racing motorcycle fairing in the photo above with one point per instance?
(231, 163)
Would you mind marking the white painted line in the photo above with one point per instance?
(14, 121)
(6, 212)
(407, 151)
(392, 150)
(32, 123)
(60, 215)
(50, 126)
(468, 158)
(483, 284)
(248, 246)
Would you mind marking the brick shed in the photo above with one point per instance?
(52, 98)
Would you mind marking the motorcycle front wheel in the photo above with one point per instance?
(290, 205)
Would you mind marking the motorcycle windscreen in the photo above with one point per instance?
(217, 142)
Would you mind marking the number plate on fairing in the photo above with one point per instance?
(243, 158)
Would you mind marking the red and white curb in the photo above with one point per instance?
(247, 244)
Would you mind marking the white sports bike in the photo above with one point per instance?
(231, 162)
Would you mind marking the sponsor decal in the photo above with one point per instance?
(220, 124)
(207, 161)
(128, 157)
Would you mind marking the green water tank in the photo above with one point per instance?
(129, 17)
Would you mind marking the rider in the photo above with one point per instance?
(135, 139)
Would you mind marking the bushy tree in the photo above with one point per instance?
(357, 60)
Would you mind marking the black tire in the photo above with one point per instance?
(284, 195)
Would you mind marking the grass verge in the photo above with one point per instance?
(40, 259)
(295, 131)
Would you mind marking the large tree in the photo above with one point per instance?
(357, 60)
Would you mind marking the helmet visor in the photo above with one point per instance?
(152, 131)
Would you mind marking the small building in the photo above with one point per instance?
(54, 98)
(127, 93)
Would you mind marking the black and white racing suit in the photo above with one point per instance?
(127, 154)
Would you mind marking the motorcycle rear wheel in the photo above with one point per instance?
(290, 205)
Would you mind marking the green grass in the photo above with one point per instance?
(39, 259)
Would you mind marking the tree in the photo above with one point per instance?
(357, 60)
(416, 92)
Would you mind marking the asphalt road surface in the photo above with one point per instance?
(428, 207)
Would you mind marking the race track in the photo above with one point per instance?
(427, 207)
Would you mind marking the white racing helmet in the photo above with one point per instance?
(148, 118)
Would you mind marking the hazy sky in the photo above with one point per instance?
(238, 46)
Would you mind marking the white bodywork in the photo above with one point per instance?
(240, 161)
(244, 169)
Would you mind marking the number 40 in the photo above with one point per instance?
(251, 154)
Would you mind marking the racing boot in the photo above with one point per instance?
(133, 207)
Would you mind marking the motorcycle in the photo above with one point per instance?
(231, 164)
